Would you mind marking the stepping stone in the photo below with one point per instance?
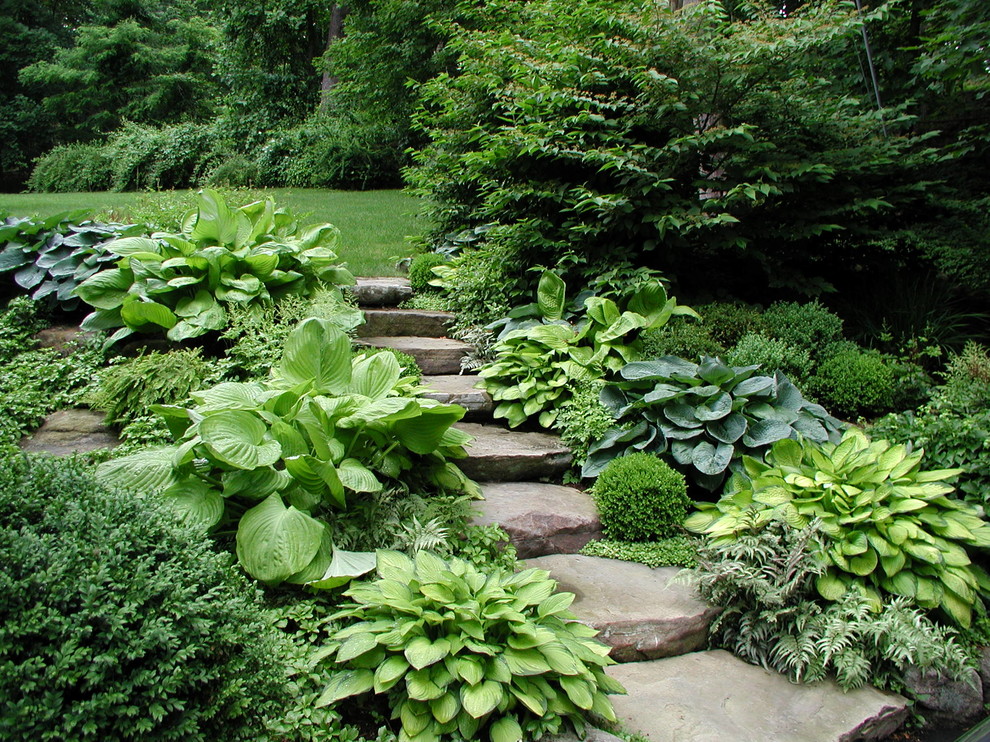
(70, 431)
(380, 292)
(385, 322)
(715, 697)
(639, 611)
(62, 338)
(459, 389)
(500, 455)
(435, 356)
(540, 518)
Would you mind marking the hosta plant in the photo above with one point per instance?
(888, 526)
(703, 416)
(180, 282)
(267, 458)
(539, 362)
(51, 257)
(462, 653)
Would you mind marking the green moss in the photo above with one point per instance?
(677, 551)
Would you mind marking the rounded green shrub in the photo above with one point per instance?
(855, 384)
(116, 623)
(683, 338)
(810, 325)
(727, 321)
(72, 167)
(640, 498)
(772, 355)
(421, 270)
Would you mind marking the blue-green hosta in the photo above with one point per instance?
(889, 526)
(466, 654)
(267, 458)
(179, 282)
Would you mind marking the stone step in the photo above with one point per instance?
(715, 697)
(387, 291)
(540, 518)
(435, 356)
(460, 389)
(63, 338)
(70, 431)
(641, 612)
(418, 322)
(501, 455)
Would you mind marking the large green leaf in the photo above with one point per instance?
(422, 434)
(345, 566)
(274, 542)
(144, 472)
(106, 289)
(375, 376)
(196, 502)
(238, 438)
(318, 351)
(709, 459)
(550, 295)
(136, 313)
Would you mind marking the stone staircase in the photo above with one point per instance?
(656, 626)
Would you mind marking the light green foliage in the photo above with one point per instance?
(421, 270)
(676, 551)
(640, 498)
(772, 355)
(129, 386)
(464, 653)
(764, 580)
(703, 417)
(811, 326)
(854, 383)
(19, 320)
(268, 458)
(258, 333)
(582, 419)
(51, 257)
(142, 631)
(250, 255)
(889, 526)
(537, 365)
(487, 547)
(967, 381)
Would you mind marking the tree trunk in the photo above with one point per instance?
(336, 31)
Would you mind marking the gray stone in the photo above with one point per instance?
(540, 518)
(944, 698)
(419, 322)
(591, 734)
(460, 389)
(985, 672)
(716, 697)
(500, 455)
(63, 338)
(380, 292)
(640, 611)
(70, 431)
(435, 356)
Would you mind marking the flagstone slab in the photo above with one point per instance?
(391, 322)
(501, 455)
(459, 389)
(382, 291)
(70, 431)
(434, 355)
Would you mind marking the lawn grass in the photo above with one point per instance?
(373, 224)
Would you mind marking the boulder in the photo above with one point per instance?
(70, 431)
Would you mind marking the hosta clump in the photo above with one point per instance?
(180, 282)
(888, 526)
(267, 458)
(703, 416)
(538, 363)
(460, 651)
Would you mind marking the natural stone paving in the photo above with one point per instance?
(70, 431)
(641, 612)
(62, 338)
(381, 291)
(434, 355)
(391, 322)
(540, 518)
(716, 697)
(458, 389)
(501, 455)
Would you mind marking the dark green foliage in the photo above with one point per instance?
(73, 168)
(683, 338)
(676, 551)
(810, 326)
(421, 270)
(640, 498)
(583, 419)
(119, 624)
(854, 383)
(765, 582)
(487, 548)
(236, 171)
(128, 387)
(772, 355)
(967, 381)
(18, 322)
(728, 322)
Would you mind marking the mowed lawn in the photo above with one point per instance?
(374, 224)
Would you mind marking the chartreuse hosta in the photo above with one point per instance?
(889, 526)
(540, 355)
(267, 458)
(179, 282)
(462, 654)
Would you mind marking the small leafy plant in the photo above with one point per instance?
(460, 651)
(179, 282)
(676, 551)
(640, 498)
(703, 416)
(855, 383)
(267, 458)
(888, 526)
